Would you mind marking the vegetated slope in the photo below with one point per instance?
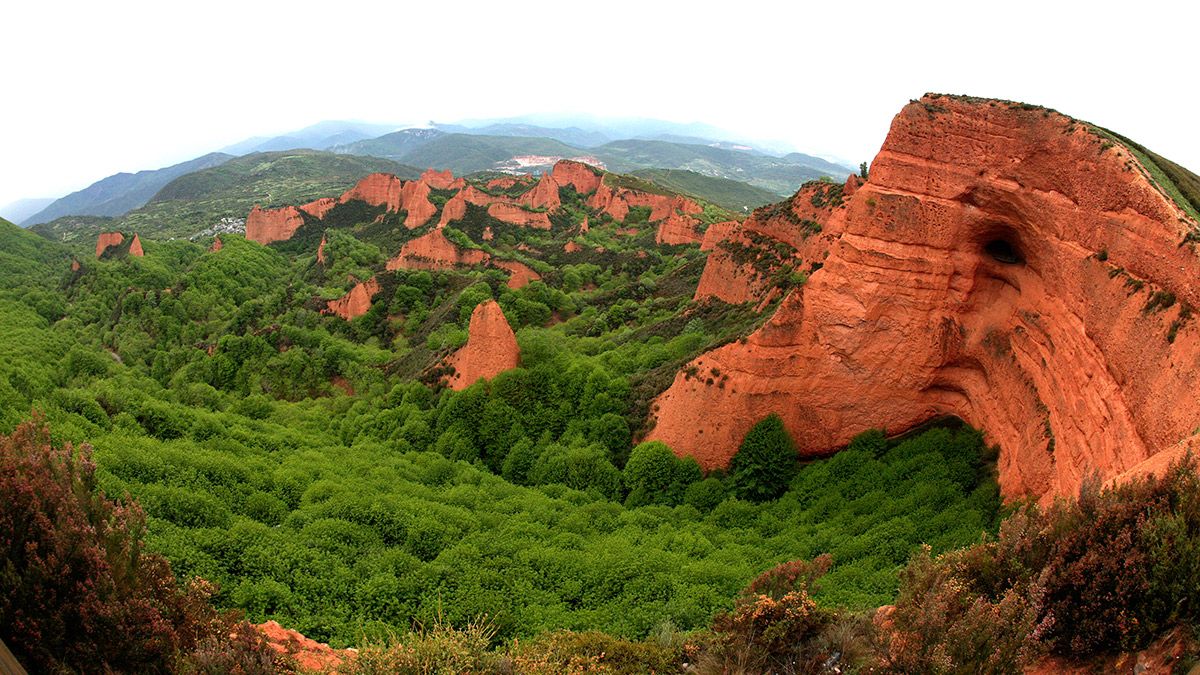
(781, 175)
(200, 200)
(394, 146)
(1051, 307)
(1181, 185)
(734, 195)
(120, 193)
(320, 136)
(573, 136)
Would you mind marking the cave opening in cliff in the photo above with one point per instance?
(1002, 250)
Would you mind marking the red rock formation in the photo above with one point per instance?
(356, 302)
(217, 245)
(377, 189)
(490, 350)
(678, 229)
(433, 251)
(438, 180)
(544, 195)
(572, 247)
(318, 208)
(135, 247)
(998, 267)
(487, 233)
(455, 209)
(583, 227)
(321, 250)
(716, 233)
(609, 200)
(414, 198)
(268, 225)
(516, 215)
(583, 177)
(75, 266)
(310, 655)
(521, 273)
(506, 182)
(108, 240)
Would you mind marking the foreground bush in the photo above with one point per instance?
(79, 594)
(1108, 572)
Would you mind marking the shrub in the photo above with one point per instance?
(765, 463)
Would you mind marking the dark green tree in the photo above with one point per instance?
(765, 463)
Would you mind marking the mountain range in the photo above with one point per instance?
(516, 145)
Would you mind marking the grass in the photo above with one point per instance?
(1181, 185)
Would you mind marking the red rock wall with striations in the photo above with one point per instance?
(377, 189)
(490, 350)
(433, 251)
(269, 225)
(678, 229)
(578, 174)
(318, 208)
(438, 180)
(516, 215)
(414, 199)
(544, 195)
(967, 279)
(107, 240)
(356, 302)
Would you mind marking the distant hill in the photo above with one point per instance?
(21, 209)
(120, 193)
(199, 201)
(461, 153)
(734, 195)
(319, 136)
(781, 175)
(583, 138)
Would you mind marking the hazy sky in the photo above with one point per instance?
(93, 88)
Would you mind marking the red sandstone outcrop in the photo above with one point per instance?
(269, 225)
(433, 251)
(438, 180)
(356, 302)
(388, 191)
(678, 229)
(75, 266)
(217, 245)
(318, 208)
(455, 209)
(321, 251)
(108, 240)
(490, 350)
(584, 178)
(572, 247)
(521, 274)
(998, 266)
(310, 655)
(487, 233)
(739, 267)
(544, 195)
(516, 215)
(135, 247)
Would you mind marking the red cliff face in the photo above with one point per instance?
(268, 225)
(317, 209)
(217, 245)
(438, 180)
(743, 254)
(388, 191)
(321, 251)
(490, 350)
(108, 240)
(544, 195)
(135, 247)
(433, 251)
(356, 302)
(521, 274)
(516, 215)
(678, 229)
(1004, 265)
(583, 177)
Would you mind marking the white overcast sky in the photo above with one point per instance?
(93, 88)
